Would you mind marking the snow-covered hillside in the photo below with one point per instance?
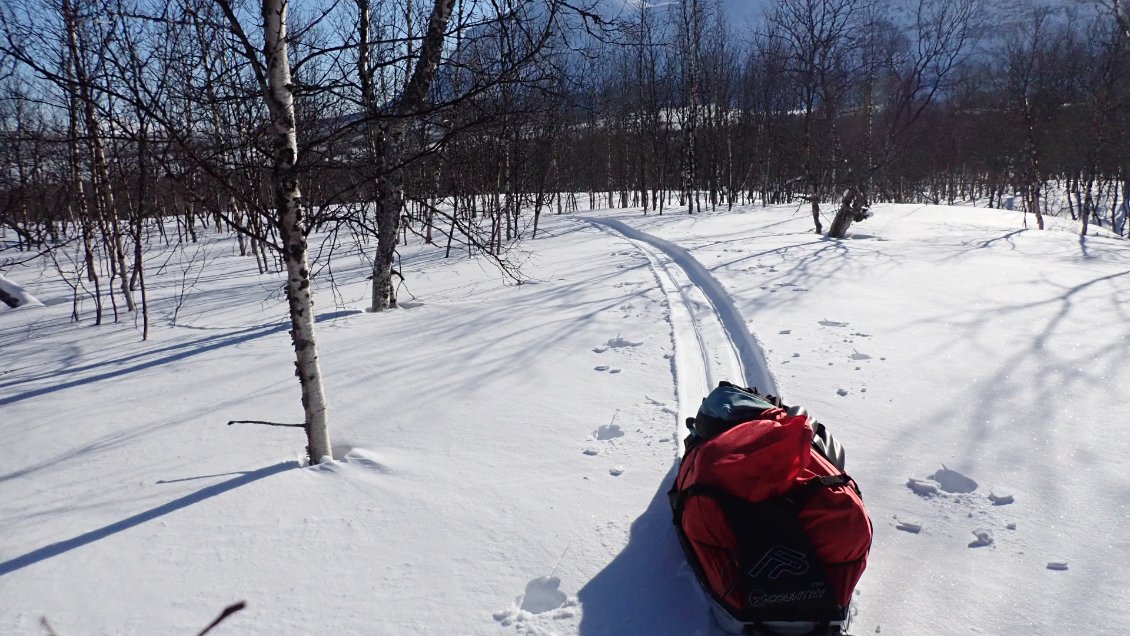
(503, 451)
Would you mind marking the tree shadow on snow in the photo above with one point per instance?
(146, 359)
(55, 549)
(648, 588)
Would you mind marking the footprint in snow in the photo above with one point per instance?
(942, 480)
(607, 432)
(984, 539)
(860, 356)
(833, 323)
(543, 594)
(621, 343)
(953, 481)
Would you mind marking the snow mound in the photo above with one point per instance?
(14, 295)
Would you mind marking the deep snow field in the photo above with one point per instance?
(503, 451)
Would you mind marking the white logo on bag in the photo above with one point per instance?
(760, 598)
(779, 561)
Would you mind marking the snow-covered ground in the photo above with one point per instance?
(504, 450)
(14, 295)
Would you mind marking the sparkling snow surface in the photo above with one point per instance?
(503, 451)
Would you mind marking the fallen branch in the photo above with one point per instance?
(228, 611)
(265, 423)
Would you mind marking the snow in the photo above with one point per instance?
(12, 293)
(503, 451)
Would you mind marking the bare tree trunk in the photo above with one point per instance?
(853, 207)
(80, 207)
(288, 201)
(386, 141)
(138, 225)
(101, 173)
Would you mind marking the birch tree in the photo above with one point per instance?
(917, 68)
(386, 137)
(273, 74)
(522, 29)
(292, 227)
(817, 38)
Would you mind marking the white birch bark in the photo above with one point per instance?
(288, 201)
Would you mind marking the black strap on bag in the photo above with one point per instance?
(707, 423)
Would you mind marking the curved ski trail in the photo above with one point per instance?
(710, 336)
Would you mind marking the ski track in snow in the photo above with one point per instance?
(711, 340)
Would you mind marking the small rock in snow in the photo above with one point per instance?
(842, 392)
(591, 451)
(616, 471)
(1057, 565)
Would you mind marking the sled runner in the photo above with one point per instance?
(773, 528)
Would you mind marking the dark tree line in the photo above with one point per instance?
(129, 124)
(116, 113)
(842, 103)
